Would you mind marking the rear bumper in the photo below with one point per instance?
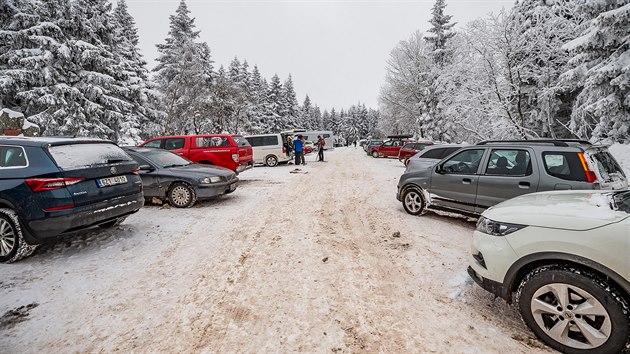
(244, 166)
(213, 190)
(79, 218)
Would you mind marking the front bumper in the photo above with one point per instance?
(205, 191)
(489, 260)
(61, 222)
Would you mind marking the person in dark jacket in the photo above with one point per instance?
(321, 142)
(298, 147)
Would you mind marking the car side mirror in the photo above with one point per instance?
(439, 169)
(146, 168)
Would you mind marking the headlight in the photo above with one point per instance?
(496, 228)
(208, 180)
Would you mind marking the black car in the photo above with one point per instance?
(167, 175)
(55, 186)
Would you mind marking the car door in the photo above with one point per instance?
(150, 177)
(507, 173)
(386, 148)
(454, 181)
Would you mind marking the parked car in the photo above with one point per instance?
(309, 147)
(56, 186)
(268, 149)
(480, 176)
(410, 149)
(566, 256)
(430, 156)
(390, 147)
(370, 144)
(224, 150)
(167, 175)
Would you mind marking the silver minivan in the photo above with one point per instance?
(479, 176)
(268, 149)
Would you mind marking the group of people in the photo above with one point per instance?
(298, 147)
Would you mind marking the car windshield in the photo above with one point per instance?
(166, 159)
(622, 201)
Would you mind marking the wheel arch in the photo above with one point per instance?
(519, 270)
(6, 204)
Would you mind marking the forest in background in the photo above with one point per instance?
(542, 69)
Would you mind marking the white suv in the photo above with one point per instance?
(567, 256)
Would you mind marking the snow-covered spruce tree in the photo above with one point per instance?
(290, 107)
(305, 119)
(542, 28)
(222, 107)
(140, 121)
(273, 119)
(257, 96)
(601, 67)
(316, 118)
(240, 100)
(184, 76)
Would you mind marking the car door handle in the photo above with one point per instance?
(466, 181)
(523, 185)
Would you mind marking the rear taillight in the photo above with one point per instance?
(49, 184)
(235, 157)
(591, 177)
(284, 150)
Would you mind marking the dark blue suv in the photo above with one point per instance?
(55, 186)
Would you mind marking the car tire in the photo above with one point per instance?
(271, 161)
(561, 324)
(413, 201)
(12, 244)
(375, 154)
(181, 195)
(113, 223)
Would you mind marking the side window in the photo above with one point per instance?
(174, 144)
(449, 151)
(509, 163)
(466, 162)
(436, 154)
(326, 136)
(140, 160)
(564, 165)
(271, 140)
(12, 157)
(254, 141)
(398, 143)
(388, 143)
(153, 144)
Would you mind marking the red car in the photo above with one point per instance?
(225, 150)
(411, 149)
(390, 147)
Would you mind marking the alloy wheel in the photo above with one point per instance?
(413, 201)
(180, 195)
(571, 316)
(7, 238)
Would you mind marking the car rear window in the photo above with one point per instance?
(606, 164)
(12, 157)
(564, 165)
(174, 144)
(74, 156)
(241, 141)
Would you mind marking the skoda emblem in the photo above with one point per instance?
(113, 170)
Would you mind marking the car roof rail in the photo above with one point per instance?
(555, 142)
(578, 141)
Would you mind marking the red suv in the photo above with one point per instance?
(225, 150)
(390, 147)
(411, 149)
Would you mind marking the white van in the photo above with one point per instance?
(268, 149)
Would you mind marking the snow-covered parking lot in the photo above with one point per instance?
(320, 260)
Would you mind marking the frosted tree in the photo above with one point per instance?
(601, 67)
(289, 104)
(184, 76)
(306, 114)
(273, 118)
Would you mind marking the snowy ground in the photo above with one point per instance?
(289, 262)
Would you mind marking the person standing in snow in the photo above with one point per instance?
(298, 146)
(355, 143)
(320, 148)
(289, 145)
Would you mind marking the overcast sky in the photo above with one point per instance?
(335, 50)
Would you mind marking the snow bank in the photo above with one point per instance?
(621, 152)
(11, 113)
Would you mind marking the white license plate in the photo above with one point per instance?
(111, 181)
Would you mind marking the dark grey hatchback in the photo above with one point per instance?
(167, 175)
(55, 186)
